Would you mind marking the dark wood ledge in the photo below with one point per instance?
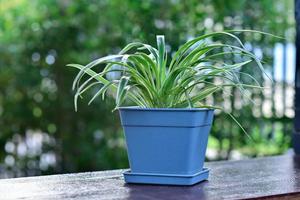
(263, 178)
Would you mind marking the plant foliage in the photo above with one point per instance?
(148, 79)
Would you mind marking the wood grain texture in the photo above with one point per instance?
(263, 178)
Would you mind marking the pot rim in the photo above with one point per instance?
(137, 108)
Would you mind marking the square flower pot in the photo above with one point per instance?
(166, 145)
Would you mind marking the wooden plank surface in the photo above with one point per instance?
(263, 178)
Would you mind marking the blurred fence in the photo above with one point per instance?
(268, 119)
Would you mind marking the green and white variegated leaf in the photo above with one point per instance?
(147, 79)
(121, 92)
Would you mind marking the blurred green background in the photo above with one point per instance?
(40, 133)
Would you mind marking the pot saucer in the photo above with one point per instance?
(166, 179)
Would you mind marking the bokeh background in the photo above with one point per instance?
(40, 133)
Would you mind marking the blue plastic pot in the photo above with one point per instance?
(166, 146)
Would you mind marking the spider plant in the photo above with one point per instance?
(150, 80)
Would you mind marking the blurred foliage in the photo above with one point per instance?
(39, 131)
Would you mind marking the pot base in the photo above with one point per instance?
(166, 179)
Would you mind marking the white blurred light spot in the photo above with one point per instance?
(208, 23)
(98, 135)
(159, 23)
(38, 97)
(258, 53)
(48, 85)
(211, 153)
(248, 46)
(22, 149)
(50, 59)
(35, 57)
(218, 27)
(46, 160)
(9, 160)
(9, 147)
(34, 141)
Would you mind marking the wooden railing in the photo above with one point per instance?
(262, 178)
